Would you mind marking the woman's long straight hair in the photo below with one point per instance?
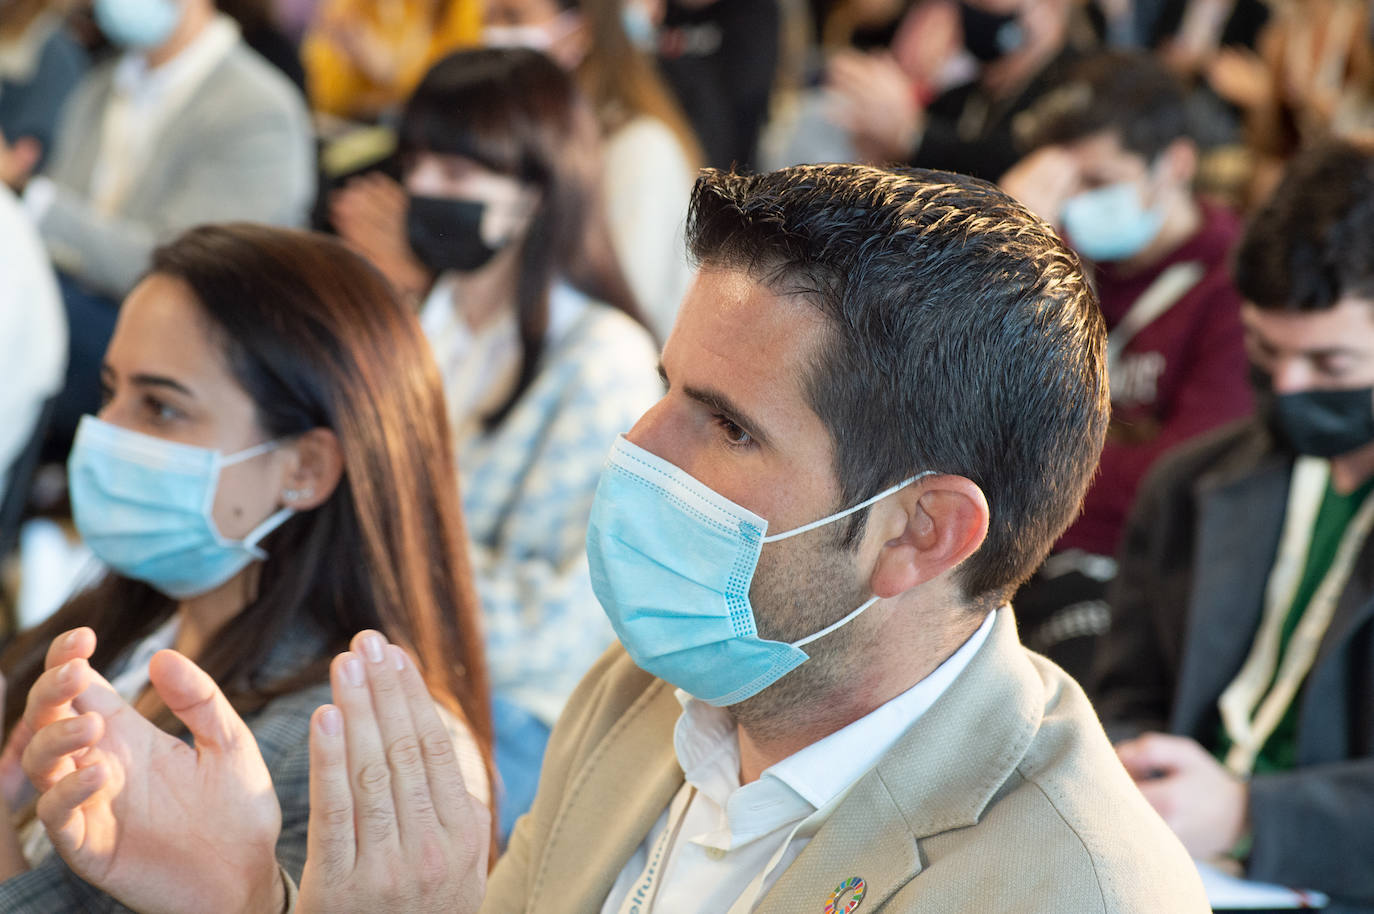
(317, 339)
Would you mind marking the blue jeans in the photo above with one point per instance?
(520, 742)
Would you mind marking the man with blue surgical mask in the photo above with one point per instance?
(1112, 168)
(186, 125)
(886, 396)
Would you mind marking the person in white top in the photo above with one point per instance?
(886, 396)
(33, 332)
(270, 472)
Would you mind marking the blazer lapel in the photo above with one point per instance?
(939, 776)
(1240, 519)
(615, 798)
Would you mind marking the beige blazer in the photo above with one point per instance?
(1004, 797)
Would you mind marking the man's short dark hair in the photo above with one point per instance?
(1312, 243)
(964, 338)
(1125, 93)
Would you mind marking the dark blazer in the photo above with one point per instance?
(1186, 606)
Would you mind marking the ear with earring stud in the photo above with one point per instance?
(294, 495)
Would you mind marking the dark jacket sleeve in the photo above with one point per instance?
(1131, 682)
(1314, 828)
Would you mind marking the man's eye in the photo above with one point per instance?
(734, 435)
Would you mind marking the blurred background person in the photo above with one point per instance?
(33, 355)
(270, 473)
(721, 59)
(40, 64)
(499, 224)
(261, 31)
(1310, 74)
(363, 58)
(1113, 166)
(650, 154)
(1239, 668)
(946, 92)
(186, 125)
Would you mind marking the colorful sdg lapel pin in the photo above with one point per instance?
(846, 897)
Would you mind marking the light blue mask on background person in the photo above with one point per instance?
(137, 24)
(671, 562)
(1109, 223)
(143, 506)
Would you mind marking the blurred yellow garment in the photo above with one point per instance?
(363, 57)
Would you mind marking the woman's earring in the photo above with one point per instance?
(291, 495)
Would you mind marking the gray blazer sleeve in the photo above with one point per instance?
(244, 153)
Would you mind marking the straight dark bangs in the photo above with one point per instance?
(468, 121)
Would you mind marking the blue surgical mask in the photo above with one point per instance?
(1110, 223)
(137, 24)
(671, 562)
(143, 506)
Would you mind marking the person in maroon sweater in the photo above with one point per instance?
(1112, 165)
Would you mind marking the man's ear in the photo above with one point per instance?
(930, 529)
(315, 470)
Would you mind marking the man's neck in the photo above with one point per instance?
(1350, 471)
(193, 23)
(1181, 223)
(893, 668)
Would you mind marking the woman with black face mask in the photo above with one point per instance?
(543, 356)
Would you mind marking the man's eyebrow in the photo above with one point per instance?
(718, 402)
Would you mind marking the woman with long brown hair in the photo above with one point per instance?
(270, 473)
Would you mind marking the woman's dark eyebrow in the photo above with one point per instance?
(153, 380)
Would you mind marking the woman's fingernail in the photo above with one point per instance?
(398, 656)
(64, 672)
(374, 647)
(353, 672)
(330, 722)
(69, 642)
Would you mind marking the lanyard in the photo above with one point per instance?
(1249, 713)
(641, 897)
(1166, 291)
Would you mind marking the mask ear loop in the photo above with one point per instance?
(834, 517)
(258, 533)
(847, 511)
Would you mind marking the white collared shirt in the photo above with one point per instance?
(143, 101)
(731, 835)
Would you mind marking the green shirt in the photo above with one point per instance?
(1335, 514)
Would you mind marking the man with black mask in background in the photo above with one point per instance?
(1244, 607)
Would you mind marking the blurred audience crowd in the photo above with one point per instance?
(517, 173)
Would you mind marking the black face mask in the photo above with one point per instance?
(990, 36)
(446, 234)
(1319, 423)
